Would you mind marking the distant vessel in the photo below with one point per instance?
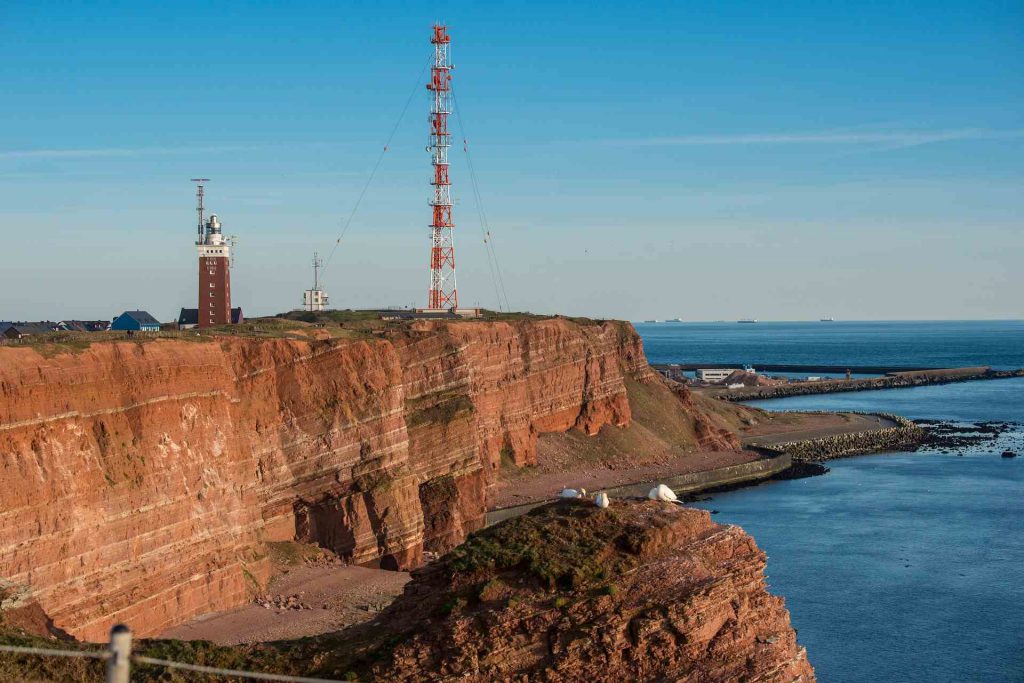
(829, 319)
(675, 320)
(747, 320)
(652, 321)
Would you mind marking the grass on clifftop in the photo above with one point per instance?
(302, 325)
(261, 658)
(564, 546)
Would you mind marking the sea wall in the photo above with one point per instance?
(904, 436)
(896, 381)
(774, 462)
(139, 480)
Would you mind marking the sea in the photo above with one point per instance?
(897, 567)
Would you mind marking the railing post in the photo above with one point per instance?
(120, 661)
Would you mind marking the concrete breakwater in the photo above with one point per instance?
(904, 436)
(895, 381)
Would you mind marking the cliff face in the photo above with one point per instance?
(139, 480)
(640, 591)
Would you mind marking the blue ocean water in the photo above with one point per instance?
(926, 344)
(895, 567)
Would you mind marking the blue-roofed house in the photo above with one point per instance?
(136, 321)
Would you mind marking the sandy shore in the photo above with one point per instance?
(329, 598)
(544, 483)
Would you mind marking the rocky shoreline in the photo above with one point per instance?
(905, 436)
(895, 381)
(950, 438)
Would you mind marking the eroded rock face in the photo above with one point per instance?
(710, 436)
(640, 591)
(138, 481)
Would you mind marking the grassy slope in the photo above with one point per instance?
(661, 429)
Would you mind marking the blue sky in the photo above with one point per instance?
(707, 161)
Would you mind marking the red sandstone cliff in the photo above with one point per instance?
(641, 591)
(139, 480)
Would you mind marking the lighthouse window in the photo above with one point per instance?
(211, 295)
(211, 284)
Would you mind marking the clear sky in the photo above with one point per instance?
(636, 160)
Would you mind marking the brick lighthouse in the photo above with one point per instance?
(214, 269)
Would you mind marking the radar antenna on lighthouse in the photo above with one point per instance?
(443, 293)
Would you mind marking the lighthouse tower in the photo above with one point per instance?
(214, 268)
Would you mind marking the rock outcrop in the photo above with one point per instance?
(640, 591)
(139, 480)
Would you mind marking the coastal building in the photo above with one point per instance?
(20, 330)
(713, 375)
(84, 325)
(315, 299)
(135, 321)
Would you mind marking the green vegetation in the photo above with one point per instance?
(373, 482)
(453, 604)
(345, 324)
(376, 481)
(441, 488)
(345, 316)
(561, 547)
(79, 670)
(492, 590)
(508, 458)
(292, 553)
(442, 412)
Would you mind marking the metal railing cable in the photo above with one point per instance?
(152, 661)
(485, 228)
(45, 652)
(380, 158)
(216, 671)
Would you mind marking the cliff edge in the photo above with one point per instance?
(140, 480)
(639, 591)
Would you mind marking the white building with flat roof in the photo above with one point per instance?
(712, 375)
(314, 300)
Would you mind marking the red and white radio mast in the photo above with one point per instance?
(443, 293)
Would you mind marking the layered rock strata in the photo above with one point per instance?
(640, 591)
(138, 481)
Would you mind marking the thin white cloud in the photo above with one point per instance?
(889, 138)
(117, 152)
